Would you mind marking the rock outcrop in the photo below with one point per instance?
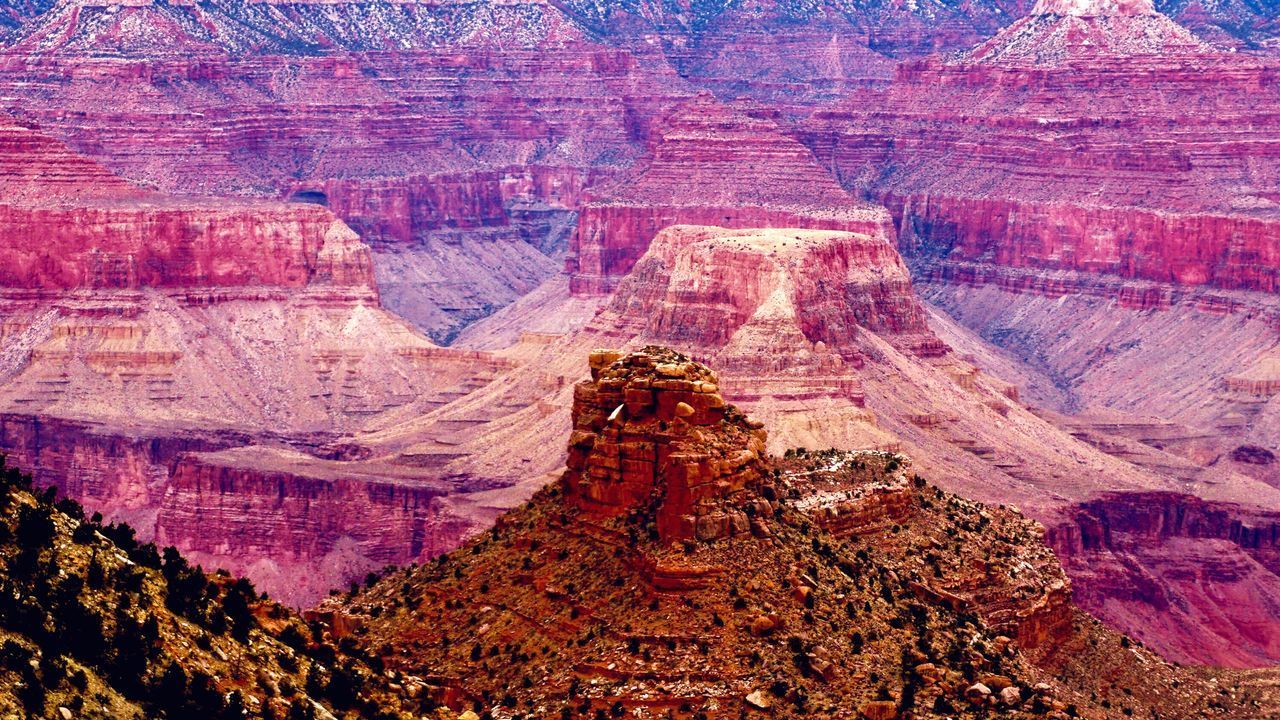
(806, 293)
(184, 246)
(819, 334)
(709, 165)
(653, 435)
(606, 595)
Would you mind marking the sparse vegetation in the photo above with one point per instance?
(94, 621)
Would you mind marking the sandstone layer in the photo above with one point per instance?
(145, 334)
(709, 165)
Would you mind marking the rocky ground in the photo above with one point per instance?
(675, 571)
(94, 624)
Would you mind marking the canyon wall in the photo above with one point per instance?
(191, 247)
(123, 475)
(1195, 580)
(429, 128)
(144, 333)
(1218, 250)
(451, 248)
(709, 165)
(301, 526)
(295, 522)
(1100, 137)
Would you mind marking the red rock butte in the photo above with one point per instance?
(639, 445)
(807, 294)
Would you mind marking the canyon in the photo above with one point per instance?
(305, 289)
(147, 336)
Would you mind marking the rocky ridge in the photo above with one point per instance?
(870, 367)
(674, 571)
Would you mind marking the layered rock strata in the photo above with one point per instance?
(143, 334)
(709, 165)
(1203, 581)
(1074, 140)
(854, 366)
(344, 105)
(638, 440)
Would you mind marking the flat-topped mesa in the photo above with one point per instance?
(710, 165)
(653, 437)
(768, 302)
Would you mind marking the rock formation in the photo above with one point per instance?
(639, 444)
(1071, 111)
(1065, 190)
(808, 293)
(223, 372)
(365, 108)
(143, 334)
(819, 334)
(710, 165)
(822, 583)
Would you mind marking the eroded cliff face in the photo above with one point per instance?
(304, 525)
(805, 292)
(1123, 358)
(149, 385)
(1189, 571)
(429, 128)
(709, 165)
(185, 246)
(452, 248)
(1099, 137)
(820, 335)
(144, 333)
(1195, 580)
